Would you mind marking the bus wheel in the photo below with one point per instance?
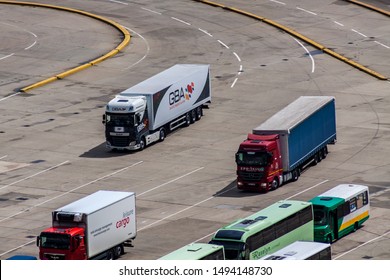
(329, 239)
(355, 226)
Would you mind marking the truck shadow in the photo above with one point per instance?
(101, 151)
(231, 190)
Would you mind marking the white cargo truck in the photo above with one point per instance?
(148, 111)
(98, 226)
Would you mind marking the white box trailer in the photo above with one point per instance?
(146, 112)
(94, 227)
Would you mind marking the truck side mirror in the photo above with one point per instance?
(38, 241)
(104, 119)
(137, 118)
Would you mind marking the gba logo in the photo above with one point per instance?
(179, 96)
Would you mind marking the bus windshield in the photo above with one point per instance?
(252, 158)
(120, 120)
(233, 250)
(320, 216)
(55, 241)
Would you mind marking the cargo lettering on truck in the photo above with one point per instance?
(126, 219)
(179, 96)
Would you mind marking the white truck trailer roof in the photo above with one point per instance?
(294, 113)
(165, 78)
(95, 202)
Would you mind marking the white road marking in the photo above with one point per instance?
(361, 34)
(223, 44)
(36, 174)
(180, 20)
(151, 11)
(309, 54)
(70, 191)
(306, 11)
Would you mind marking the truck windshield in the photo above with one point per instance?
(252, 158)
(233, 250)
(120, 120)
(55, 241)
(320, 216)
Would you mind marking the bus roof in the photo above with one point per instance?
(345, 191)
(260, 220)
(299, 250)
(194, 251)
(337, 195)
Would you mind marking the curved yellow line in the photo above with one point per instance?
(300, 36)
(62, 75)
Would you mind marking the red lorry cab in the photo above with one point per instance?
(259, 162)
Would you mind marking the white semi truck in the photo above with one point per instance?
(97, 226)
(148, 111)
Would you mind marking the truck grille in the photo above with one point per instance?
(54, 256)
(119, 141)
(250, 176)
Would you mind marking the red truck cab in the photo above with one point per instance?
(259, 165)
(57, 243)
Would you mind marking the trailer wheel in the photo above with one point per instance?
(188, 120)
(324, 152)
(199, 113)
(193, 116)
(316, 159)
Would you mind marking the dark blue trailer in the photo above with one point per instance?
(305, 128)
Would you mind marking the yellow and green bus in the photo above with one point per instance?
(267, 231)
(339, 211)
(196, 251)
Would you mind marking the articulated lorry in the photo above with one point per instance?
(280, 148)
(97, 226)
(148, 111)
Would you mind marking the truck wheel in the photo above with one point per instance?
(118, 251)
(110, 255)
(274, 184)
(295, 174)
(142, 144)
(162, 134)
(193, 116)
(199, 113)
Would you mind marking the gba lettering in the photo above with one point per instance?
(177, 95)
